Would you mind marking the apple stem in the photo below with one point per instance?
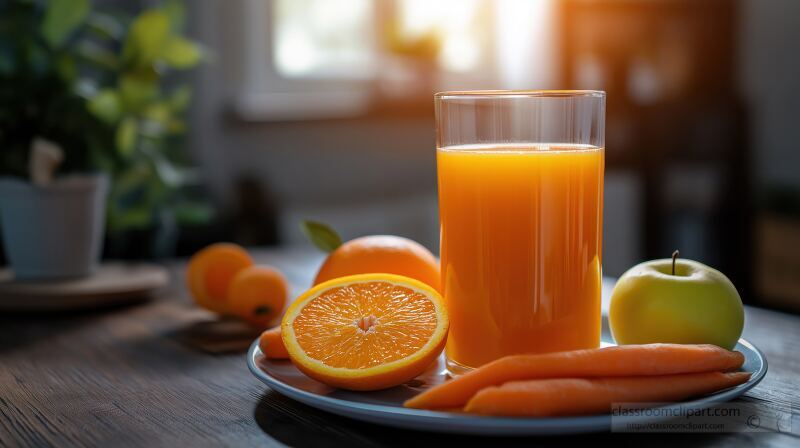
(674, 258)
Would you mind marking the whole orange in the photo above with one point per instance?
(381, 254)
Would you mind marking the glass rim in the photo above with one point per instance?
(495, 94)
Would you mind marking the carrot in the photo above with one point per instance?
(623, 360)
(271, 344)
(575, 396)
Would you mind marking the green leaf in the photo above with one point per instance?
(193, 213)
(176, 127)
(66, 67)
(181, 53)
(61, 18)
(138, 217)
(106, 106)
(147, 37)
(321, 235)
(179, 99)
(137, 91)
(126, 136)
(158, 112)
(131, 176)
(99, 156)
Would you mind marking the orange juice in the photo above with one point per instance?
(520, 248)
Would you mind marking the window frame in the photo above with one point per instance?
(267, 95)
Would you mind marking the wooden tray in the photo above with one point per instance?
(112, 284)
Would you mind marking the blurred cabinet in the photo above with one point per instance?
(778, 261)
(674, 120)
(622, 215)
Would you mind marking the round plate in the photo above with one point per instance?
(112, 284)
(385, 407)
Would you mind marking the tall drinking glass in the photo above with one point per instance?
(521, 206)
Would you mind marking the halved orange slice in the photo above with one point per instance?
(366, 331)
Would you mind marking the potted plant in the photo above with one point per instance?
(82, 94)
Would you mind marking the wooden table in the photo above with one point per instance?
(142, 376)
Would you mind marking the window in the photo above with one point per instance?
(322, 58)
(454, 25)
(323, 38)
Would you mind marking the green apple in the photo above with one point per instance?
(675, 301)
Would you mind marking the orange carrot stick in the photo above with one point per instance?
(574, 396)
(623, 360)
(271, 344)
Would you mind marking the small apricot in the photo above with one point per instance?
(257, 294)
(210, 272)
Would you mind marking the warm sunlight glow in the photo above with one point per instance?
(323, 37)
(456, 24)
(509, 41)
(525, 48)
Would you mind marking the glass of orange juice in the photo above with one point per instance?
(521, 209)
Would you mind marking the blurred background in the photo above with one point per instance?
(323, 109)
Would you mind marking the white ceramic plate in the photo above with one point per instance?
(385, 407)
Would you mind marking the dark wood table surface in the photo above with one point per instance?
(164, 373)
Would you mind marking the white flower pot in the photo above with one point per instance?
(54, 231)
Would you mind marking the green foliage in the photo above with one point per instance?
(321, 235)
(126, 136)
(96, 84)
(106, 106)
(146, 40)
(61, 18)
